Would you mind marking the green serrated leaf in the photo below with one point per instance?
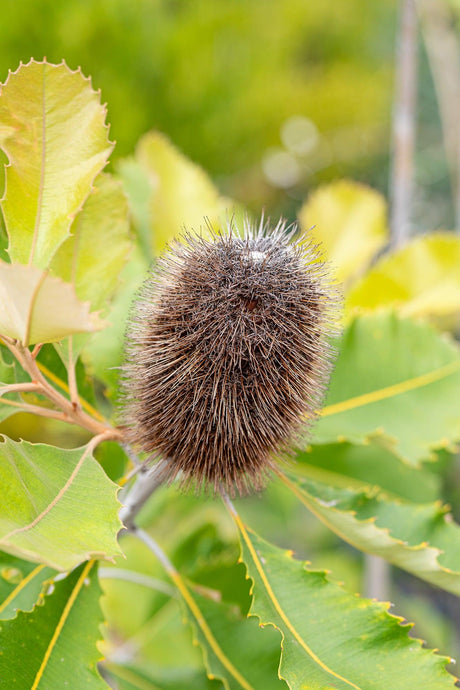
(420, 538)
(349, 221)
(333, 639)
(21, 585)
(93, 257)
(397, 382)
(59, 637)
(53, 131)
(421, 279)
(56, 506)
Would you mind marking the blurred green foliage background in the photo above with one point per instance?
(225, 79)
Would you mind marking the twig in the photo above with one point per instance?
(72, 378)
(137, 579)
(401, 185)
(19, 388)
(148, 480)
(68, 412)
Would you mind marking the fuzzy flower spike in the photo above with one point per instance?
(228, 354)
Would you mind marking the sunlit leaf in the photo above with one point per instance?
(37, 308)
(56, 506)
(396, 381)
(59, 638)
(421, 279)
(181, 194)
(331, 638)
(92, 258)
(420, 538)
(350, 224)
(22, 584)
(52, 128)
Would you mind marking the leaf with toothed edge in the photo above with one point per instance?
(396, 382)
(420, 538)
(22, 585)
(57, 506)
(53, 131)
(331, 638)
(59, 638)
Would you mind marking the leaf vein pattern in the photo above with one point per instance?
(194, 608)
(280, 610)
(61, 623)
(25, 581)
(391, 391)
(55, 500)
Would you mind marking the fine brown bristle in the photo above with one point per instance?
(228, 355)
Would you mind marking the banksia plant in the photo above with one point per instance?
(228, 354)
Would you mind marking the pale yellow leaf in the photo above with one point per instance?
(422, 279)
(37, 308)
(349, 221)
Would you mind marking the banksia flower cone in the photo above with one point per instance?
(228, 355)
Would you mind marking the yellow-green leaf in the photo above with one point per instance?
(421, 279)
(93, 257)
(420, 538)
(52, 128)
(37, 308)
(396, 381)
(57, 506)
(54, 646)
(331, 638)
(349, 221)
(181, 192)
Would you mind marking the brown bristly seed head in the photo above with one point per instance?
(228, 354)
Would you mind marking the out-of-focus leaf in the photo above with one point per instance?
(346, 464)
(397, 382)
(56, 506)
(421, 279)
(420, 538)
(37, 308)
(350, 224)
(59, 637)
(330, 638)
(181, 194)
(103, 353)
(52, 128)
(22, 584)
(142, 675)
(8, 376)
(154, 661)
(93, 257)
(235, 650)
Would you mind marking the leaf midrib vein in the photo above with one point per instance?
(65, 614)
(281, 612)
